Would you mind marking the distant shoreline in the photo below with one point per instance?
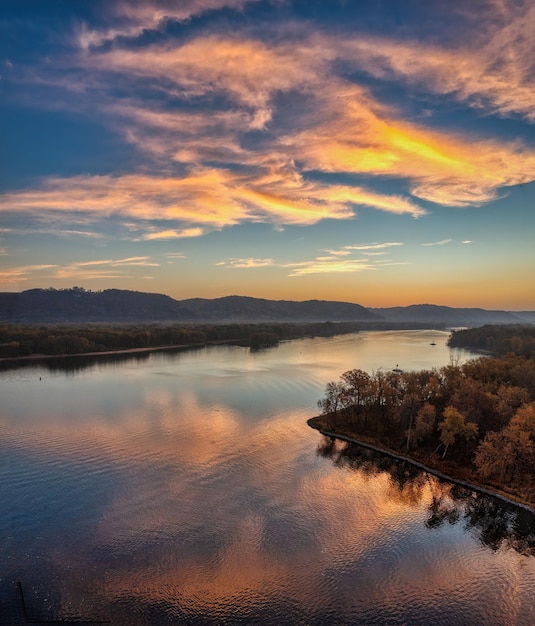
(51, 342)
(509, 499)
(184, 346)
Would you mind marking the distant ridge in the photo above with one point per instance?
(249, 309)
(77, 305)
(118, 305)
(451, 316)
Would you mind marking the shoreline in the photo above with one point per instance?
(457, 481)
(184, 346)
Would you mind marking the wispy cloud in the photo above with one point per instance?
(442, 242)
(134, 260)
(203, 198)
(132, 19)
(103, 268)
(82, 270)
(373, 246)
(23, 273)
(53, 231)
(335, 261)
(173, 234)
(246, 263)
(492, 69)
(323, 265)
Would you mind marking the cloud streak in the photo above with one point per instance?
(333, 262)
(24, 272)
(492, 70)
(86, 270)
(442, 242)
(246, 263)
(130, 20)
(202, 198)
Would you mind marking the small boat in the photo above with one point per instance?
(432, 343)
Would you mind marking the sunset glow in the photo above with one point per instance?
(271, 149)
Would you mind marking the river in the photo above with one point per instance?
(185, 487)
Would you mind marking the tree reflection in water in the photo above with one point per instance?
(499, 524)
(76, 364)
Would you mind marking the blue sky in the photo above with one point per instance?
(374, 152)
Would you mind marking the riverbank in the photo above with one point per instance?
(133, 351)
(490, 490)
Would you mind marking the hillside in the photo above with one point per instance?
(76, 305)
(451, 316)
(118, 305)
(242, 308)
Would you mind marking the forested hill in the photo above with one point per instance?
(118, 305)
(452, 316)
(75, 305)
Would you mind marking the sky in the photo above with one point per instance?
(380, 152)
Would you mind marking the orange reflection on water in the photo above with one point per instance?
(209, 510)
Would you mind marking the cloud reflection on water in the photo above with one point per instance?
(207, 510)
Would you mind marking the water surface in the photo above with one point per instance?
(186, 488)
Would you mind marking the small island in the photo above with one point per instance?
(473, 423)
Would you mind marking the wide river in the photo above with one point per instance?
(185, 487)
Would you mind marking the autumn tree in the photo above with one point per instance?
(494, 457)
(454, 427)
(509, 454)
(424, 424)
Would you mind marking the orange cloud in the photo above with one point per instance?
(134, 18)
(203, 198)
(248, 70)
(98, 269)
(22, 273)
(441, 168)
(344, 129)
(173, 234)
(491, 69)
(335, 126)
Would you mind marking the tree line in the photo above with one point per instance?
(18, 340)
(518, 339)
(475, 420)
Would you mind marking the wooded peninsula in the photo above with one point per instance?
(474, 422)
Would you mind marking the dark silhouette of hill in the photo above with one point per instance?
(526, 316)
(430, 313)
(248, 309)
(118, 305)
(121, 305)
